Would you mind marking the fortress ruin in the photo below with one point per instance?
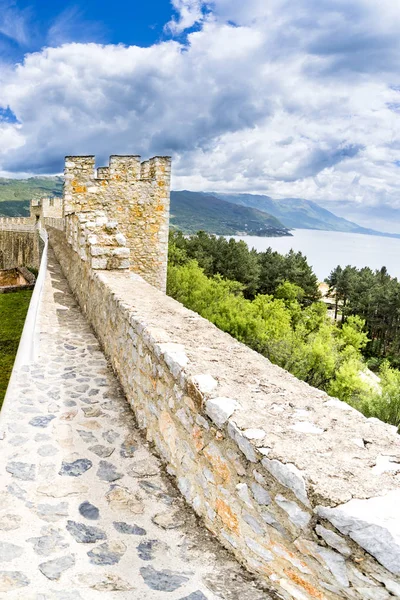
(301, 488)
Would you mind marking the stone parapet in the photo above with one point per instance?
(17, 224)
(302, 488)
(97, 240)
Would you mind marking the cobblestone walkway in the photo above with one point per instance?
(86, 511)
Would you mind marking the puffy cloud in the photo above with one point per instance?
(289, 99)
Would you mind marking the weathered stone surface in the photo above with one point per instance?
(12, 580)
(121, 499)
(41, 421)
(21, 470)
(8, 522)
(373, 524)
(105, 583)
(102, 451)
(9, 551)
(49, 542)
(289, 476)
(85, 534)
(144, 468)
(148, 548)
(108, 472)
(195, 596)
(163, 581)
(220, 409)
(122, 527)
(297, 516)
(76, 468)
(107, 554)
(89, 511)
(169, 520)
(53, 569)
(334, 540)
(52, 512)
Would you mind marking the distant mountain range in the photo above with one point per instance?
(297, 213)
(222, 214)
(192, 211)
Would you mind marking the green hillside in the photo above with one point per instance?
(191, 212)
(15, 194)
(297, 213)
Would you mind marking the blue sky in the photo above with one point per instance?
(119, 22)
(290, 99)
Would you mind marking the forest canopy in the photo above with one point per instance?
(271, 303)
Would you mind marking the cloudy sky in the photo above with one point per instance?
(273, 96)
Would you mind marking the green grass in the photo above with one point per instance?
(13, 309)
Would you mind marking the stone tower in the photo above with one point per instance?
(136, 195)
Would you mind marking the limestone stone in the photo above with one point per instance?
(109, 553)
(12, 580)
(76, 468)
(220, 409)
(9, 551)
(164, 580)
(89, 511)
(85, 534)
(297, 516)
(53, 569)
(289, 476)
(334, 540)
(373, 524)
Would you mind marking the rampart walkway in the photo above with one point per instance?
(87, 512)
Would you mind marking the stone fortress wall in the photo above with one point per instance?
(302, 488)
(133, 194)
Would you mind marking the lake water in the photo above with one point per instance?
(327, 249)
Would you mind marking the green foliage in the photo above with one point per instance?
(219, 279)
(259, 272)
(385, 404)
(15, 194)
(373, 296)
(13, 309)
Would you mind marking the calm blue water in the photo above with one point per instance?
(327, 249)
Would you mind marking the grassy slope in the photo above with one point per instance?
(15, 194)
(13, 309)
(191, 211)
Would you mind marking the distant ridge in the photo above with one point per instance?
(297, 213)
(192, 211)
(223, 214)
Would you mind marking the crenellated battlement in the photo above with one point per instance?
(135, 194)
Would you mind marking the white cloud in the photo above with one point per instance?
(281, 98)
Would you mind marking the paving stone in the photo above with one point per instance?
(9, 551)
(122, 527)
(110, 436)
(12, 580)
(53, 569)
(105, 583)
(87, 436)
(21, 470)
(9, 522)
(107, 554)
(128, 447)
(144, 468)
(75, 468)
(50, 542)
(42, 421)
(169, 520)
(102, 451)
(162, 581)
(85, 534)
(89, 511)
(195, 596)
(148, 548)
(52, 512)
(107, 472)
(47, 450)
